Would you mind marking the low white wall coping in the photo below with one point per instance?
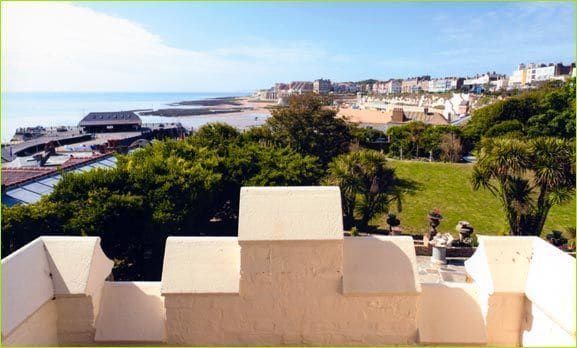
(131, 312)
(201, 265)
(380, 265)
(551, 284)
(26, 284)
(501, 263)
(290, 213)
(78, 264)
(450, 314)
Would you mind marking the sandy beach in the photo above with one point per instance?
(217, 106)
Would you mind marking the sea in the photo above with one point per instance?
(27, 109)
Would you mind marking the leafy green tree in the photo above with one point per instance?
(443, 142)
(252, 164)
(546, 111)
(215, 135)
(369, 138)
(400, 142)
(310, 128)
(417, 139)
(24, 223)
(511, 128)
(528, 177)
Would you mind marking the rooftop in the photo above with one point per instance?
(110, 118)
(27, 184)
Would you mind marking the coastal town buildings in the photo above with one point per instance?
(531, 74)
(281, 89)
(266, 94)
(525, 76)
(490, 81)
(423, 85)
(412, 84)
(322, 86)
(445, 84)
(345, 87)
(382, 116)
(300, 87)
(393, 86)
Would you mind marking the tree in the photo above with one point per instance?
(417, 139)
(416, 130)
(311, 128)
(369, 138)
(168, 188)
(368, 185)
(24, 223)
(451, 148)
(342, 173)
(254, 164)
(546, 111)
(528, 177)
(215, 135)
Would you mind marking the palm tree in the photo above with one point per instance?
(368, 186)
(528, 177)
(341, 173)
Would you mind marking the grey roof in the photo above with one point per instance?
(110, 118)
(31, 192)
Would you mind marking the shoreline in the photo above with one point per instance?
(234, 106)
(227, 107)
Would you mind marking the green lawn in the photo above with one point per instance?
(447, 187)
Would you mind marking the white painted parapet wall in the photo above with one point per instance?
(51, 291)
(290, 278)
(526, 290)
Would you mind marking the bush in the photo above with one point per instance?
(168, 188)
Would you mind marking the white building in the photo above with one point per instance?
(393, 86)
(445, 84)
(266, 94)
(322, 86)
(300, 87)
(530, 74)
(479, 83)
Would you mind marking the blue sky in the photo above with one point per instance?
(188, 46)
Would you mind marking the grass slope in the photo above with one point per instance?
(447, 186)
